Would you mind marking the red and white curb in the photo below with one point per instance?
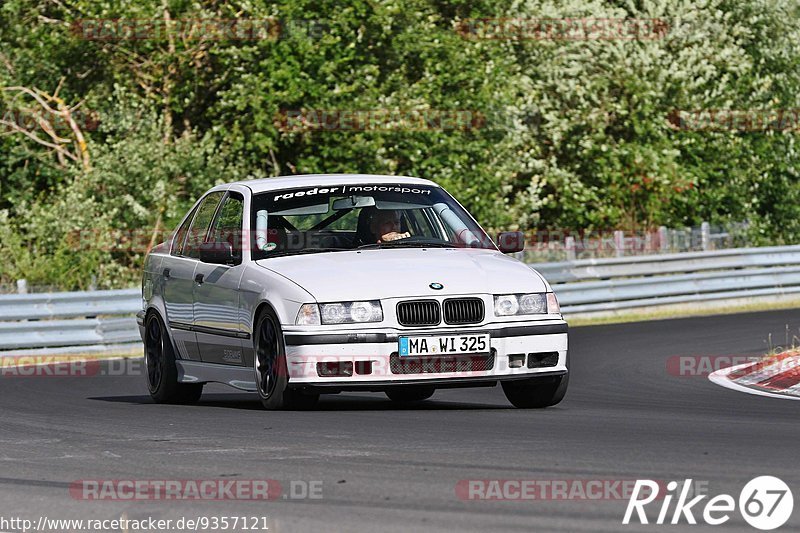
(777, 377)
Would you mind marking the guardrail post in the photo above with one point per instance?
(569, 246)
(22, 286)
(619, 242)
(663, 239)
(705, 235)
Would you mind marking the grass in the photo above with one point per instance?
(68, 358)
(665, 314)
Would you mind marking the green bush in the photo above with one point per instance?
(573, 134)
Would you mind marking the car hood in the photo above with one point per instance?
(387, 273)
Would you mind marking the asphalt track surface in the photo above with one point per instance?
(387, 468)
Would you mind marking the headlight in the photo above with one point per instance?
(366, 312)
(532, 304)
(333, 313)
(340, 313)
(538, 303)
(506, 305)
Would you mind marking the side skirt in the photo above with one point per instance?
(196, 372)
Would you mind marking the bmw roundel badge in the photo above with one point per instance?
(436, 286)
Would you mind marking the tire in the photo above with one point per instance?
(536, 393)
(410, 394)
(271, 371)
(161, 371)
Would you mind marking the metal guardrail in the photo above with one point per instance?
(103, 321)
(593, 285)
(647, 265)
(69, 304)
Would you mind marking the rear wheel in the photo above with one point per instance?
(271, 371)
(416, 393)
(162, 372)
(536, 392)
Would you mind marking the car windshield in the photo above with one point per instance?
(328, 218)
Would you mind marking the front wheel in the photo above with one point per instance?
(271, 371)
(162, 372)
(536, 392)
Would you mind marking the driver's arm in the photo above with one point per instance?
(394, 236)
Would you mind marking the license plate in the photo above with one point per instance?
(444, 345)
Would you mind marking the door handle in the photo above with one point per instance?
(166, 273)
(199, 279)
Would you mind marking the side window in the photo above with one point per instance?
(180, 236)
(228, 225)
(420, 224)
(202, 220)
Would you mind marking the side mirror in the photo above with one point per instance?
(511, 241)
(217, 253)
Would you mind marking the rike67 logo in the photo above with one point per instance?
(765, 503)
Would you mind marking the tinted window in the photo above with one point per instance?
(180, 236)
(228, 226)
(200, 224)
(419, 223)
(318, 219)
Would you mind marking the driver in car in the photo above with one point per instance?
(385, 226)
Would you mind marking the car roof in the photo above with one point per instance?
(310, 180)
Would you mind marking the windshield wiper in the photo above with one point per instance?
(305, 251)
(398, 244)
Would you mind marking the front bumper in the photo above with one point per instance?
(374, 361)
(140, 316)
